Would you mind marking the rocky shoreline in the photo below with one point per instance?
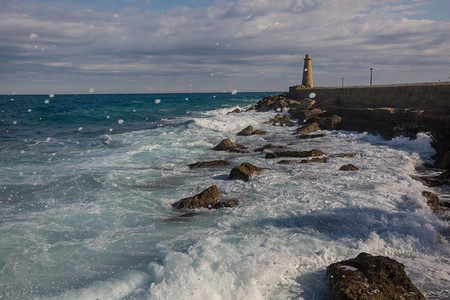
(366, 276)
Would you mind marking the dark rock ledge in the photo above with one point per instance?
(207, 164)
(229, 145)
(370, 277)
(244, 171)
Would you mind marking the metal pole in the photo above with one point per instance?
(342, 81)
(371, 71)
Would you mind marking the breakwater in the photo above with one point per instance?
(433, 96)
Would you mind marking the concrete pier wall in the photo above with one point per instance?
(434, 96)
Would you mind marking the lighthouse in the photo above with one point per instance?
(307, 80)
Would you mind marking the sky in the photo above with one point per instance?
(152, 46)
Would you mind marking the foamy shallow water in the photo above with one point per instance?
(98, 223)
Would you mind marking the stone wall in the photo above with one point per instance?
(426, 96)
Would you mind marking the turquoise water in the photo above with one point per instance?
(87, 183)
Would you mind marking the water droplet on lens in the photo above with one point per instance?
(157, 101)
(51, 95)
(234, 92)
(120, 121)
(47, 101)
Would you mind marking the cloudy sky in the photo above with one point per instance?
(138, 46)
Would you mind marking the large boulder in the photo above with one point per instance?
(304, 115)
(207, 164)
(228, 145)
(206, 199)
(244, 171)
(314, 152)
(307, 129)
(329, 123)
(369, 277)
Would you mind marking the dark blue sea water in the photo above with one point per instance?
(87, 183)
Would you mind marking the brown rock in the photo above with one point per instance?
(251, 108)
(304, 115)
(269, 146)
(225, 203)
(280, 120)
(349, 167)
(228, 145)
(206, 164)
(236, 111)
(259, 132)
(311, 136)
(345, 155)
(314, 152)
(315, 160)
(434, 202)
(206, 199)
(244, 171)
(287, 162)
(308, 128)
(368, 277)
(329, 123)
(246, 131)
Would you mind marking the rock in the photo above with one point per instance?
(225, 203)
(206, 199)
(246, 131)
(308, 129)
(259, 132)
(434, 202)
(251, 108)
(236, 111)
(315, 160)
(269, 146)
(311, 136)
(349, 167)
(330, 122)
(345, 155)
(287, 162)
(228, 145)
(270, 102)
(445, 176)
(280, 120)
(314, 152)
(206, 164)
(305, 114)
(249, 131)
(244, 171)
(445, 162)
(370, 277)
(306, 103)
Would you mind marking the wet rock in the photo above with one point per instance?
(244, 171)
(269, 146)
(287, 162)
(225, 203)
(306, 114)
(434, 202)
(246, 131)
(228, 145)
(370, 277)
(306, 103)
(330, 122)
(314, 152)
(207, 164)
(251, 108)
(259, 132)
(311, 136)
(349, 167)
(271, 102)
(235, 111)
(345, 155)
(315, 160)
(308, 129)
(445, 162)
(280, 120)
(206, 199)
(445, 177)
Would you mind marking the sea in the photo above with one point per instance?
(87, 184)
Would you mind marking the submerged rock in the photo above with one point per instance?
(307, 129)
(206, 199)
(315, 160)
(269, 146)
(370, 277)
(225, 203)
(434, 202)
(311, 136)
(244, 171)
(330, 122)
(235, 111)
(287, 162)
(259, 132)
(207, 164)
(228, 145)
(349, 167)
(314, 152)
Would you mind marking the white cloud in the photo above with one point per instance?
(179, 47)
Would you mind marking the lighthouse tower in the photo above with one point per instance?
(307, 80)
